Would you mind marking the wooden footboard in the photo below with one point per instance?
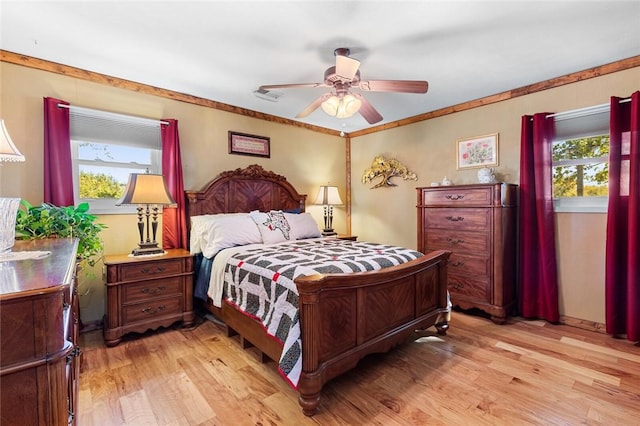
(344, 317)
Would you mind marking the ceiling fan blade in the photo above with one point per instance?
(313, 106)
(346, 67)
(367, 110)
(291, 86)
(403, 86)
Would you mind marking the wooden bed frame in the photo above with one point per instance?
(343, 317)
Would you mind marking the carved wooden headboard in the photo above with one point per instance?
(244, 190)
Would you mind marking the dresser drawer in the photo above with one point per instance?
(151, 310)
(458, 241)
(469, 266)
(143, 270)
(458, 197)
(146, 290)
(462, 219)
(469, 289)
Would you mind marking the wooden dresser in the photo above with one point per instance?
(477, 223)
(145, 293)
(39, 364)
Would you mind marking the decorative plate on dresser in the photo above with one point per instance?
(477, 223)
(147, 292)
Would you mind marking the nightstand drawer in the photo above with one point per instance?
(144, 270)
(152, 289)
(462, 219)
(151, 310)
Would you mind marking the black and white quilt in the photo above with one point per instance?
(260, 281)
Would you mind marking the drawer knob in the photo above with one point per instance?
(73, 354)
(454, 197)
(457, 263)
(455, 218)
(157, 290)
(150, 311)
(153, 271)
(457, 286)
(454, 241)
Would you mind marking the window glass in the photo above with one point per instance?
(580, 156)
(581, 167)
(105, 149)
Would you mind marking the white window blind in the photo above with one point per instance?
(102, 126)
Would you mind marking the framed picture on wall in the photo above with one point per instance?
(476, 152)
(244, 144)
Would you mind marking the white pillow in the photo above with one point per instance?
(303, 225)
(273, 226)
(198, 227)
(222, 231)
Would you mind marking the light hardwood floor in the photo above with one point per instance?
(520, 373)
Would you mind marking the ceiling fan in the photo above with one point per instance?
(341, 102)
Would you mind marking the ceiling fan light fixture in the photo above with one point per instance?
(341, 106)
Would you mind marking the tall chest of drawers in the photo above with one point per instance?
(145, 293)
(477, 223)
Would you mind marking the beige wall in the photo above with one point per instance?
(428, 148)
(385, 215)
(308, 159)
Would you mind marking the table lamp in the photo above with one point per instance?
(328, 196)
(148, 192)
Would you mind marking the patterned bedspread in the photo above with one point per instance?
(259, 281)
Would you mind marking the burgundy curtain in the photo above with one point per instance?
(174, 219)
(58, 180)
(622, 276)
(537, 272)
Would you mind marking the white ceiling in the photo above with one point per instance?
(224, 50)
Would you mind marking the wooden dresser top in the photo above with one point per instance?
(20, 278)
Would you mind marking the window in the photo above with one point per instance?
(105, 149)
(580, 156)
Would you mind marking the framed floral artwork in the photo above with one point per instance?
(480, 151)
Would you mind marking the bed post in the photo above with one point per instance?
(310, 383)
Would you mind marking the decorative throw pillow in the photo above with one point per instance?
(303, 225)
(273, 226)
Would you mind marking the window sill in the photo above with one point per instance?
(581, 205)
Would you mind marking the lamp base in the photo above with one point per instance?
(328, 232)
(147, 249)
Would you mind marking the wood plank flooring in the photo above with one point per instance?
(520, 373)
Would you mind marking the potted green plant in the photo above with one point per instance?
(49, 221)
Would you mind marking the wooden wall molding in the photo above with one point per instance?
(583, 324)
(40, 64)
(94, 77)
(510, 94)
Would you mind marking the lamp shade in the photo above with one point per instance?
(146, 188)
(8, 151)
(329, 196)
(341, 106)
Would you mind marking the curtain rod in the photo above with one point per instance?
(131, 118)
(581, 112)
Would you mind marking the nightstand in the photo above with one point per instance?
(147, 292)
(347, 237)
